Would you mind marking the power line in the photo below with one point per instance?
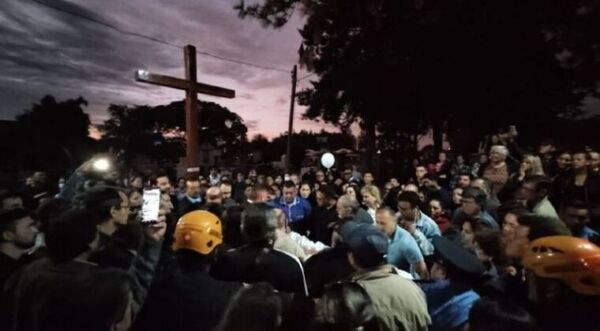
(108, 25)
(241, 62)
(153, 39)
(306, 76)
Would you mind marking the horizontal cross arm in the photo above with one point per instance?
(182, 84)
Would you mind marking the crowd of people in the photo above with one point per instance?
(508, 242)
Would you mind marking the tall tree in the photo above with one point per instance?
(462, 66)
(158, 132)
(53, 135)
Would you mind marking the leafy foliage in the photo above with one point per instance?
(462, 66)
(53, 134)
(159, 132)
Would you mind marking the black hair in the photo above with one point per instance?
(192, 179)
(70, 234)
(543, 226)
(438, 198)
(51, 209)
(411, 197)
(491, 243)
(574, 203)
(356, 189)
(328, 191)
(499, 315)
(466, 173)
(584, 152)
(511, 207)
(8, 219)
(214, 208)
(100, 201)
(160, 173)
(475, 193)
(345, 306)
(226, 182)
(289, 184)
(477, 223)
(541, 182)
(259, 223)
(255, 307)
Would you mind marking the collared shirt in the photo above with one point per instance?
(403, 250)
(193, 200)
(427, 226)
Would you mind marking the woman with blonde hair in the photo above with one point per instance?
(371, 199)
(531, 165)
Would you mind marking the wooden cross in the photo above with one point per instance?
(192, 88)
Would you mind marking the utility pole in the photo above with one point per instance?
(288, 154)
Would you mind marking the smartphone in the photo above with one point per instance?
(151, 206)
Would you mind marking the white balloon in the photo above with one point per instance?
(327, 160)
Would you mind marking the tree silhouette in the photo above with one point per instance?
(303, 140)
(465, 67)
(159, 132)
(53, 135)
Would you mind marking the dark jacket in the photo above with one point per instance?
(448, 304)
(187, 299)
(8, 265)
(68, 295)
(326, 267)
(185, 206)
(322, 221)
(257, 262)
(139, 264)
(362, 216)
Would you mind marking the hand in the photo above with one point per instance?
(409, 226)
(157, 230)
(523, 170)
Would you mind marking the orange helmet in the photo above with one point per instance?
(199, 231)
(572, 260)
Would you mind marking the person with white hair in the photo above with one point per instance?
(497, 171)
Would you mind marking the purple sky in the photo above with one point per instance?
(48, 52)
(43, 51)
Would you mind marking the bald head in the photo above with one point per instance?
(346, 206)
(213, 195)
(411, 188)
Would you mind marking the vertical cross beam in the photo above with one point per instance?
(191, 107)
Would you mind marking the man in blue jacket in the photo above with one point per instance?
(295, 207)
(450, 293)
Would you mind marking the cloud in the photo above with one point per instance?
(281, 101)
(45, 51)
